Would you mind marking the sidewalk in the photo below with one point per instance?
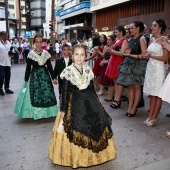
(24, 142)
(160, 165)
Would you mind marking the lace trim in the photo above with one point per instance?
(81, 140)
(82, 81)
(41, 59)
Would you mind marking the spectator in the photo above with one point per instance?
(5, 63)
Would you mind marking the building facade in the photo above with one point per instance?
(74, 19)
(110, 13)
(37, 15)
(16, 9)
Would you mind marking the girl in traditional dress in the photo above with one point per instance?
(82, 134)
(36, 98)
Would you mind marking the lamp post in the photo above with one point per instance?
(6, 16)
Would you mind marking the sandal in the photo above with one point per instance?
(151, 123)
(168, 134)
(115, 104)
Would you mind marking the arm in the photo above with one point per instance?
(64, 96)
(164, 57)
(28, 70)
(122, 50)
(50, 69)
(103, 62)
(100, 53)
(94, 54)
(91, 87)
(143, 50)
(56, 68)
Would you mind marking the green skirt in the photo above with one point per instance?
(37, 99)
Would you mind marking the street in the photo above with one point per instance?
(24, 142)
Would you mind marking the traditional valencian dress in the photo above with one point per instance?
(37, 99)
(83, 137)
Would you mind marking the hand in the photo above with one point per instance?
(127, 51)
(55, 81)
(102, 63)
(86, 59)
(109, 50)
(146, 55)
(62, 114)
(166, 45)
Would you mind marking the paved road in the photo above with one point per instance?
(24, 142)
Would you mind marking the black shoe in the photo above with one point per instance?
(141, 105)
(167, 115)
(124, 99)
(2, 92)
(8, 91)
(107, 100)
(132, 115)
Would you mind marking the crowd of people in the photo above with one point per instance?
(137, 64)
(126, 63)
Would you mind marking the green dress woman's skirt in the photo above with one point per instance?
(37, 99)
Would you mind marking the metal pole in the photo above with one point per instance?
(6, 16)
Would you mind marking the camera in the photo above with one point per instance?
(10, 52)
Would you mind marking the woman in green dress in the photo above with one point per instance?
(36, 98)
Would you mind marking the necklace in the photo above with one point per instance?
(80, 71)
(38, 52)
(81, 75)
(156, 39)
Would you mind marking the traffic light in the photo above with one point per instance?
(51, 25)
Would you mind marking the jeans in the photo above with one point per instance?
(5, 74)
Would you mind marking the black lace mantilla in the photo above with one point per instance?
(86, 122)
(41, 88)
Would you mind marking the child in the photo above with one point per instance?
(36, 98)
(62, 63)
(82, 134)
(20, 53)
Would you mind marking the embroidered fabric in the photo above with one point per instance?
(41, 59)
(24, 109)
(73, 75)
(155, 70)
(81, 138)
(41, 88)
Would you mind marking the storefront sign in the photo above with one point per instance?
(73, 9)
(105, 28)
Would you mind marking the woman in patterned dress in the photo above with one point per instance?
(132, 69)
(36, 98)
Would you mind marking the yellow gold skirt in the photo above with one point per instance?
(64, 153)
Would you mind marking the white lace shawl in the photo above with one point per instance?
(72, 74)
(41, 59)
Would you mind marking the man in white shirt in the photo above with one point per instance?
(5, 63)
